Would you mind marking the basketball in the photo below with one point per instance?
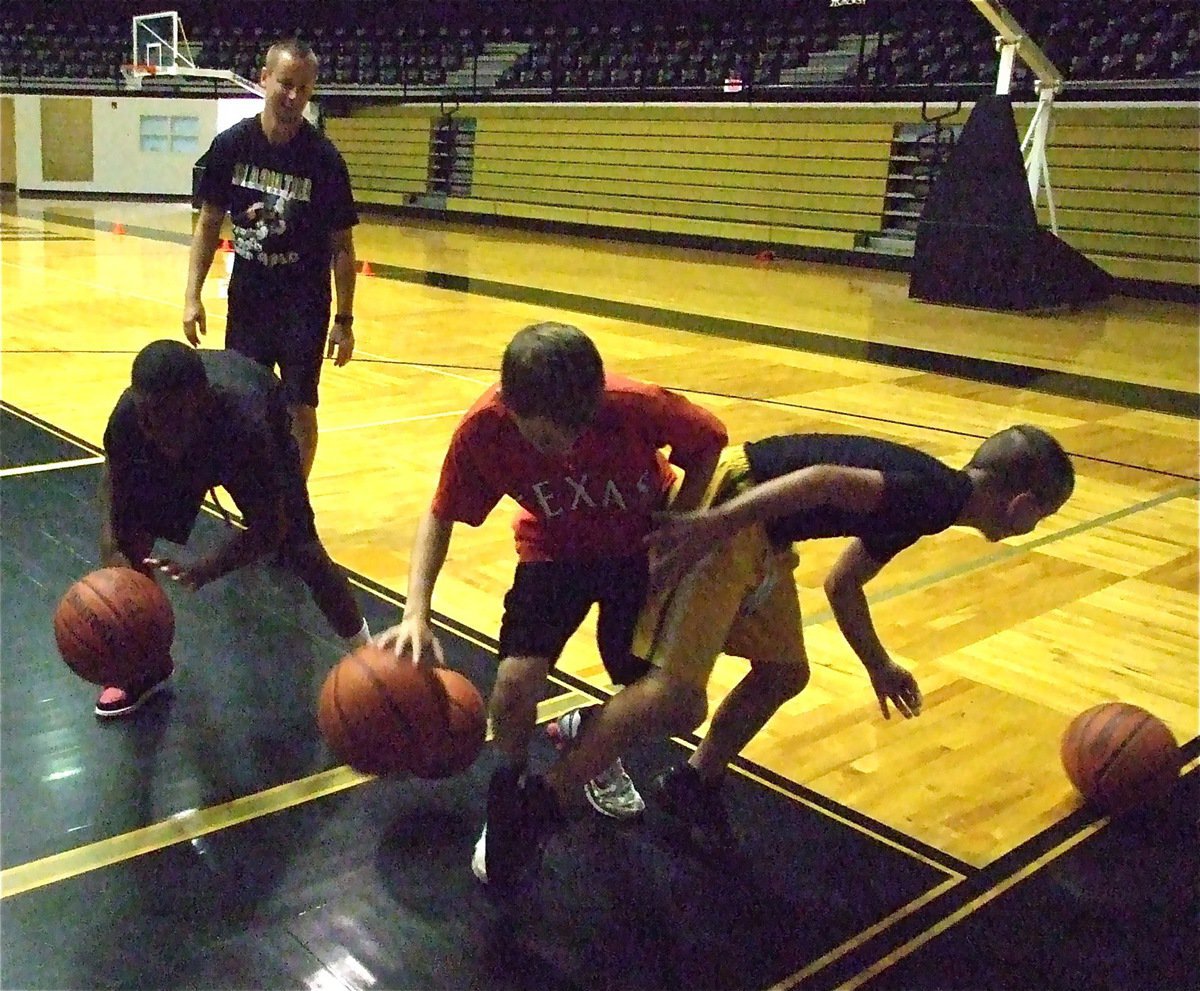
(384, 715)
(112, 624)
(1120, 757)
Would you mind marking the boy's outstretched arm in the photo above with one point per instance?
(414, 632)
(113, 552)
(266, 525)
(680, 541)
(844, 588)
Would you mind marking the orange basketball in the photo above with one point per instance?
(112, 624)
(466, 727)
(1120, 756)
(384, 715)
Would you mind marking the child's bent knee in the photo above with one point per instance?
(784, 680)
(686, 703)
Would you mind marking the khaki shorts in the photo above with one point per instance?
(740, 600)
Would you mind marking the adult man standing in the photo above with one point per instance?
(287, 192)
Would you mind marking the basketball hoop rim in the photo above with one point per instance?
(135, 72)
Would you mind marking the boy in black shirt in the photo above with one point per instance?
(191, 421)
(725, 582)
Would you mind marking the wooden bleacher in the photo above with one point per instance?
(388, 156)
(1126, 184)
(1125, 178)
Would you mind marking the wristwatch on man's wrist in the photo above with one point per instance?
(344, 320)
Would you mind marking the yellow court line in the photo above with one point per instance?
(192, 823)
(50, 466)
(957, 916)
(870, 932)
(951, 920)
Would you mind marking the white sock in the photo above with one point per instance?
(359, 639)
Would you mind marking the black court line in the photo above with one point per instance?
(20, 448)
(95, 224)
(1129, 395)
(1158, 833)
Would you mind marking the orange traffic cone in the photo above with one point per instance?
(366, 268)
(118, 228)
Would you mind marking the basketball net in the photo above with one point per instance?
(135, 73)
(161, 49)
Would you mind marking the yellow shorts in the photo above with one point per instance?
(740, 600)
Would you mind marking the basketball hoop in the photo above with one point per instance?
(135, 73)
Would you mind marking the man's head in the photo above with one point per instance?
(289, 76)
(551, 380)
(170, 392)
(1022, 475)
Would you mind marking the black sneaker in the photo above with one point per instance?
(521, 818)
(114, 702)
(698, 805)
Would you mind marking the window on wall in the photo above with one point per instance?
(160, 132)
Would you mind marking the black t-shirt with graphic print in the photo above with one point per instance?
(921, 496)
(284, 202)
(246, 446)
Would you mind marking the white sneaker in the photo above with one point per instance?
(612, 792)
(479, 857)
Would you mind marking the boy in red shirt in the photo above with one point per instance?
(579, 451)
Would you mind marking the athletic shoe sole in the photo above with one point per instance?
(136, 704)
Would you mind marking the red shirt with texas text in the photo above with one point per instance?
(594, 502)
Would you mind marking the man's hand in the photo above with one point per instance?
(194, 322)
(414, 639)
(341, 344)
(895, 684)
(191, 577)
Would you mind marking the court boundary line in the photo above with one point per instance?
(49, 466)
(190, 824)
(991, 889)
(50, 428)
(829, 808)
(365, 357)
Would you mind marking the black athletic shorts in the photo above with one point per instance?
(549, 600)
(285, 338)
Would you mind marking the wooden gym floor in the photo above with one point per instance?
(214, 842)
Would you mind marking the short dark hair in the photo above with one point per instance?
(552, 370)
(1025, 458)
(167, 366)
(297, 48)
